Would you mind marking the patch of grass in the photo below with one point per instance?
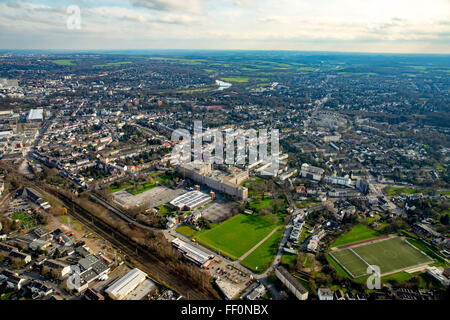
(288, 259)
(163, 210)
(25, 219)
(195, 90)
(187, 231)
(112, 64)
(306, 204)
(260, 259)
(359, 233)
(396, 191)
(141, 188)
(64, 62)
(236, 79)
(237, 235)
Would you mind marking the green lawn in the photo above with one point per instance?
(395, 191)
(26, 220)
(141, 188)
(195, 90)
(112, 64)
(306, 204)
(237, 235)
(236, 79)
(186, 230)
(164, 209)
(260, 259)
(64, 62)
(288, 259)
(359, 233)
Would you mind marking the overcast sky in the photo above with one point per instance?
(410, 26)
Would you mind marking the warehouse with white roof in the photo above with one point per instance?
(190, 200)
(36, 115)
(121, 288)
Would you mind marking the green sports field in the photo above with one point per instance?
(390, 255)
(237, 235)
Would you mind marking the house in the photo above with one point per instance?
(56, 268)
(39, 289)
(13, 280)
(325, 294)
(257, 292)
(19, 257)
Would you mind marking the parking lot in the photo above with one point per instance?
(218, 210)
(153, 197)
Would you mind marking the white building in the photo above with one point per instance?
(325, 294)
(122, 287)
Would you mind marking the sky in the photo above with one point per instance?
(399, 26)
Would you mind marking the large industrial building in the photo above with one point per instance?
(36, 115)
(194, 254)
(227, 182)
(125, 285)
(190, 200)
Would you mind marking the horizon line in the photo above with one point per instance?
(227, 50)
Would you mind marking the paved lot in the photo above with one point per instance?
(218, 210)
(153, 197)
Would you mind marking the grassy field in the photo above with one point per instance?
(112, 64)
(288, 259)
(306, 204)
(25, 219)
(186, 230)
(390, 255)
(236, 79)
(164, 209)
(142, 186)
(195, 90)
(395, 191)
(237, 235)
(359, 233)
(260, 259)
(64, 62)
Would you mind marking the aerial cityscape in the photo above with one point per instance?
(246, 175)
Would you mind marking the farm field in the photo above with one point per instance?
(390, 255)
(237, 235)
(260, 259)
(359, 233)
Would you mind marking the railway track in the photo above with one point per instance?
(149, 263)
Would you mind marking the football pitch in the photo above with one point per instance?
(390, 255)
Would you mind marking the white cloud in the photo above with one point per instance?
(240, 24)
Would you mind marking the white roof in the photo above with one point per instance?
(126, 284)
(36, 114)
(190, 199)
